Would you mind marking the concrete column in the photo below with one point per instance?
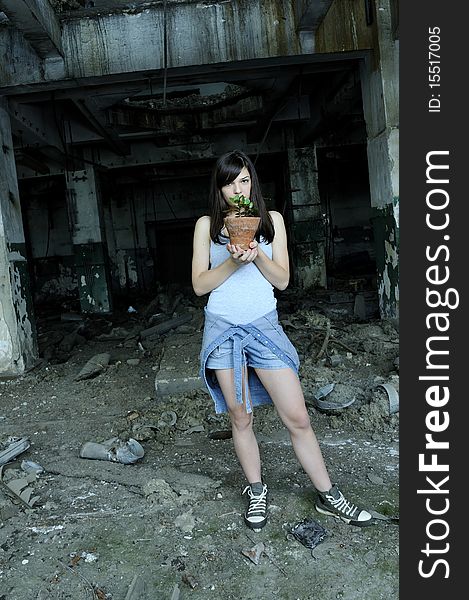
(307, 227)
(87, 228)
(18, 346)
(380, 92)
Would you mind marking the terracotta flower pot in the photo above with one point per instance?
(242, 230)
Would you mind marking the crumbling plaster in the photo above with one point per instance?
(16, 325)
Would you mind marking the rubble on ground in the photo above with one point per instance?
(171, 521)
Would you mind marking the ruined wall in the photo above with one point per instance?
(133, 39)
(133, 214)
(18, 347)
(347, 26)
(131, 209)
(201, 33)
(21, 58)
(137, 206)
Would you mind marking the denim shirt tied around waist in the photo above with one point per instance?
(266, 330)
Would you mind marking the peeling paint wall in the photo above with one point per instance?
(22, 302)
(89, 242)
(387, 260)
(10, 359)
(18, 348)
(380, 91)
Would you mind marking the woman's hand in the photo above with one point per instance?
(241, 256)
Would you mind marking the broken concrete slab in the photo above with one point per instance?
(166, 326)
(14, 448)
(179, 365)
(94, 366)
(178, 385)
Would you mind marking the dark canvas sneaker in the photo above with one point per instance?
(255, 516)
(335, 504)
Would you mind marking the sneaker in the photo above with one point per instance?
(334, 503)
(255, 516)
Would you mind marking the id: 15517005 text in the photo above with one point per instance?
(434, 69)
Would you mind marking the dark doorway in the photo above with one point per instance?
(345, 198)
(170, 244)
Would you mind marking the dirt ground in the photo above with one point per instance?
(170, 525)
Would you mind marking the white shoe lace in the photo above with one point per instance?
(257, 503)
(342, 505)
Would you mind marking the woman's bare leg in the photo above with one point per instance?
(244, 440)
(284, 388)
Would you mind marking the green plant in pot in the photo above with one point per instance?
(242, 225)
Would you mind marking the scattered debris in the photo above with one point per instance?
(133, 513)
(333, 360)
(326, 405)
(94, 366)
(254, 553)
(168, 419)
(114, 450)
(195, 429)
(20, 488)
(324, 391)
(166, 326)
(190, 580)
(375, 479)
(323, 348)
(309, 533)
(88, 557)
(29, 466)
(393, 397)
(15, 447)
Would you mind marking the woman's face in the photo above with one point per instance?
(241, 185)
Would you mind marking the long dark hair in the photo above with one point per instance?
(226, 169)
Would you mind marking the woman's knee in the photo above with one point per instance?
(299, 421)
(240, 418)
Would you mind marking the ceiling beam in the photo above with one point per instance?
(37, 22)
(311, 13)
(88, 109)
(194, 75)
(34, 125)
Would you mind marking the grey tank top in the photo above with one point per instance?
(246, 295)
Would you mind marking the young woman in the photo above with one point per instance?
(246, 358)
